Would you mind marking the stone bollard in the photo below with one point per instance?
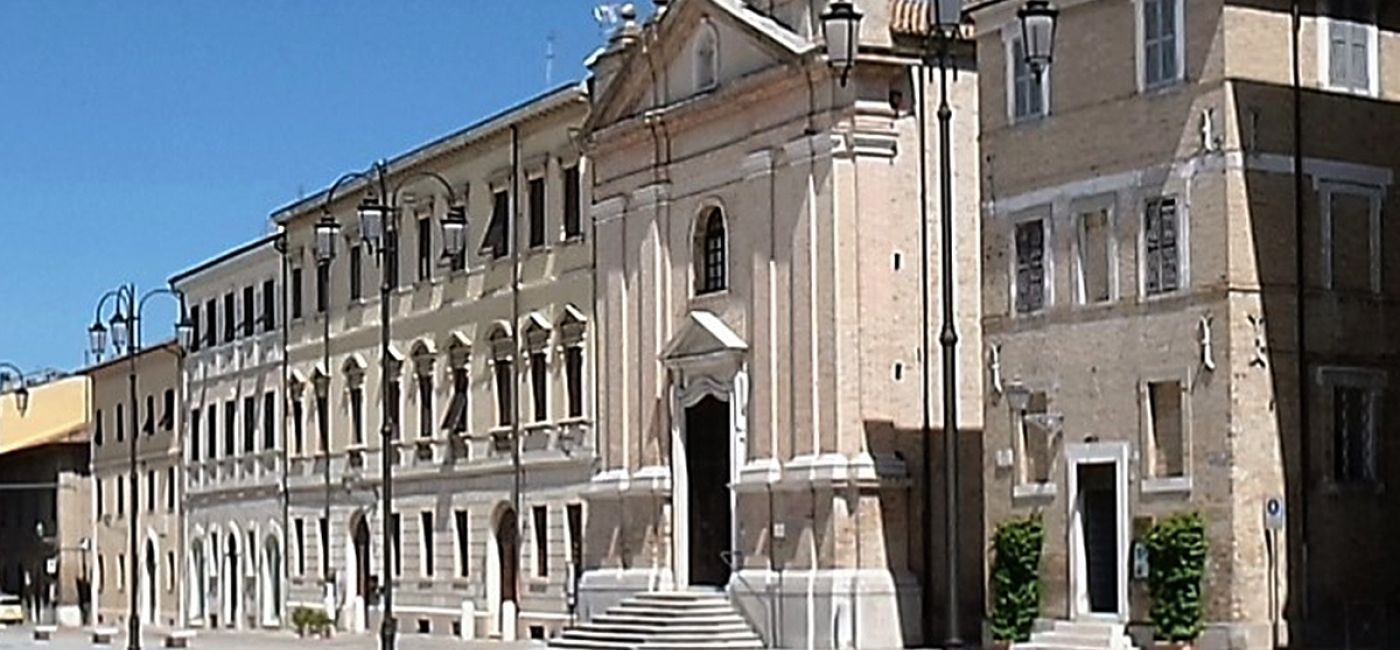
(468, 620)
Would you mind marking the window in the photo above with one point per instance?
(1357, 396)
(250, 422)
(1348, 54)
(573, 377)
(1030, 266)
(101, 573)
(706, 58)
(357, 414)
(248, 311)
(1351, 217)
(539, 383)
(573, 226)
(211, 325)
(1162, 266)
(425, 249)
(1030, 95)
(323, 421)
(269, 420)
(324, 532)
(1161, 48)
(149, 424)
(536, 191)
(97, 427)
(1035, 443)
(1166, 429)
(298, 427)
(194, 435)
(299, 529)
(230, 326)
(120, 481)
(194, 328)
(296, 292)
(97, 489)
(230, 432)
(121, 572)
(394, 399)
(541, 529)
(497, 242)
(150, 490)
(391, 258)
(356, 273)
(425, 403)
(710, 252)
(212, 435)
(121, 423)
(323, 281)
(456, 420)
(167, 415)
(1094, 257)
(269, 312)
(425, 523)
(504, 373)
(462, 522)
(396, 542)
(574, 513)
(170, 489)
(170, 571)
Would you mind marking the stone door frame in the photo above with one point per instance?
(1096, 453)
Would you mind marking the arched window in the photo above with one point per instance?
(710, 271)
(706, 58)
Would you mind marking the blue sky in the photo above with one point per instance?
(139, 138)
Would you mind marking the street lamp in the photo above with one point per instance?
(22, 389)
(841, 29)
(327, 237)
(125, 324)
(941, 32)
(378, 213)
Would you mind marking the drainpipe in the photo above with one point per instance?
(1304, 394)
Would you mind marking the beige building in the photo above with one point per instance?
(154, 495)
(234, 445)
(491, 384)
(758, 317)
(46, 498)
(1143, 264)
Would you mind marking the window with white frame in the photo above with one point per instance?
(1094, 256)
(299, 525)
(1161, 246)
(426, 545)
(1035, 441)
(396, 542)
(1357, 397)
(462, 523)
(1160, 28)
(1029, 249)
(1348, 51)
(1030, 96)
(540, 525)
(1351, 221)
(1165, 429)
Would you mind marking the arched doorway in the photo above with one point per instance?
(707, 468)
(231, 578)
(198, 578)
(503, 569)
(149, 583)
(360, 537)
(271, 583)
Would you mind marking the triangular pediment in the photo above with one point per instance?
(702, 335)
(745, 41)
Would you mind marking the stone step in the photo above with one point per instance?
(664, 621)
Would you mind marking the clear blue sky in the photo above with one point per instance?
(140, 138)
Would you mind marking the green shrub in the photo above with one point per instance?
(308, 619)
(1016, 547)
(1176, 548)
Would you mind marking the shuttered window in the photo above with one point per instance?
(1030, 266)
(1161, 229)
(497, 242)
(1349, 44)
(1160, 31)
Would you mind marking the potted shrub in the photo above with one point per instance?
(1176, 549)
(1016, 548)
(307, 620)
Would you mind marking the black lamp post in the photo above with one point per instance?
(379, 214)
(8, 369)
(327, 232)
(125, 324)
(839, 23)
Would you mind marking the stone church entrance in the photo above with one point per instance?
(707, 466)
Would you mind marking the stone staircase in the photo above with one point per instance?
(664, 621)
(1077, 635)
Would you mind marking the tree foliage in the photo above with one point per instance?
(1016, 548)
(1176, 548)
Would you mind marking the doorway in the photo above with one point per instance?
(1097, 497)
(1098, 531)
(149, 585)
(508, 550)
(707, 469)
(503, 572)
(360, 538)
(232, 579)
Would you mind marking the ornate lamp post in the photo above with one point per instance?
(7, 370)
(125, 324)
(327, 232)
(378, 214)
(840, 25)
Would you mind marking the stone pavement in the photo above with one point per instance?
(75, 639)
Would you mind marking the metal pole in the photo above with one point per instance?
(948, 338)
(323, 417)
(926, 435)
(389, 246)
(133, 641)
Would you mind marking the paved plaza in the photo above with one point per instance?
(72, 639)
